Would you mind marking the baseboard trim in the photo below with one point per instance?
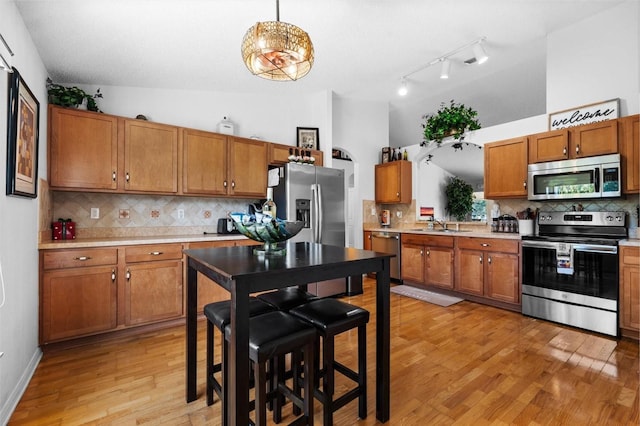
(14, 398)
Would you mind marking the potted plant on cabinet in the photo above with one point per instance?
(459, 198)
(450, 120)
(72, 96)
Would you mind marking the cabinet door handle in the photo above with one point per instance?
(421, 252)
(398, 194)
(564, 151)
(113, 176)
(155, 253)
(224, 183)
(480, 259)
(126, 177)
(113, 275)
(233, 184)
(485, 244)
(489, 260)
(577, 149)
(82, 258)
(428, 252)
(128, 275)
(524, 183)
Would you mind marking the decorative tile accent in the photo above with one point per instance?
(207, 214)
(123, 214)
(155, 213)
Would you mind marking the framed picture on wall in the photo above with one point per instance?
(22, 138)
(308, 138)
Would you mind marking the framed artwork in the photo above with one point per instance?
(22, 139)
(308, 138)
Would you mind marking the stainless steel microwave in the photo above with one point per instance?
(590, 177)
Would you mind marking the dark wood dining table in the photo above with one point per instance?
(241, 272)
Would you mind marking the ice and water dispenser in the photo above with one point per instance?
(303, 211)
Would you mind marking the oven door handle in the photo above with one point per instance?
(594, 248)
(540, 244)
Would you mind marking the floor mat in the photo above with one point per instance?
(425, 295)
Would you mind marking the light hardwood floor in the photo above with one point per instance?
(467, 364)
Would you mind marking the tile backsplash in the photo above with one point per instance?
(141, 215)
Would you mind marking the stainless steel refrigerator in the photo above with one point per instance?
(316, 196)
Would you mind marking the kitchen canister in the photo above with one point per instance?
(525, 226)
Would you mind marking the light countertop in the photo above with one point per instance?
(464, 233)
(129, 241)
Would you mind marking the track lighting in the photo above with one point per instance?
(444, 71)
(480, 56)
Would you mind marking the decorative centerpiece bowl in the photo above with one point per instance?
(267, 230)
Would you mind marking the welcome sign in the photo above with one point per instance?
(586, 114)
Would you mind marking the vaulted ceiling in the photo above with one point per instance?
(362, 47)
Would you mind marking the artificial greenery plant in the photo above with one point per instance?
(450, 120)
(71, 96)
(459, 198)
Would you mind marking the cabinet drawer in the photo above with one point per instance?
(630, 255)
(491, 244)
(153, 252)
(79, 258)
(428, 240)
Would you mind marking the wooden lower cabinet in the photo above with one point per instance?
(412, 263)
(630, 291)
(91, 291)
(488, 267)
(209, 291)
(439, 267)
(153, 291)
(78, 293)
(427, 259)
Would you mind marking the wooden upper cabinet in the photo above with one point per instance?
(393, 182)
(150, 157)
(594, 139)
(549, 146)
(628, 129)
(83, 150)
(204, 158)
(247, 167)
(279, 154)
(505, 168)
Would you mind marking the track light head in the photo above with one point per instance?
(403, 89)
(444, 70)
(479, 53)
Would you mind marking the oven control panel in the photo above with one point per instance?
(582, 218)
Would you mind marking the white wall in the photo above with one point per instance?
(361, 128)
(596, 60)
(18, 227)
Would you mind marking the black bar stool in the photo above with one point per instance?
(219, 315)
(332, 317)
(271, 336)
(286, 298)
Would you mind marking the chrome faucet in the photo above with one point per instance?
(441, 223)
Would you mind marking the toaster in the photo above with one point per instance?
(226, 226)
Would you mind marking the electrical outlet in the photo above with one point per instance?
(399, 214)
(95, 213)
(373, 211)
(180, 213)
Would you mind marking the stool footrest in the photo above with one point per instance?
(346, 371)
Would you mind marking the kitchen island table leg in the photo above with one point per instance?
(192, 331)
(383, 343)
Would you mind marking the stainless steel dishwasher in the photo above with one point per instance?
(388, 242)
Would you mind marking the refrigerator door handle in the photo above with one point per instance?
(320, 208)
(314, 212)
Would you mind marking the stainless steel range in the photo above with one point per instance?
(570, 269)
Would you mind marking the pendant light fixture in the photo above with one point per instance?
(277, 50)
